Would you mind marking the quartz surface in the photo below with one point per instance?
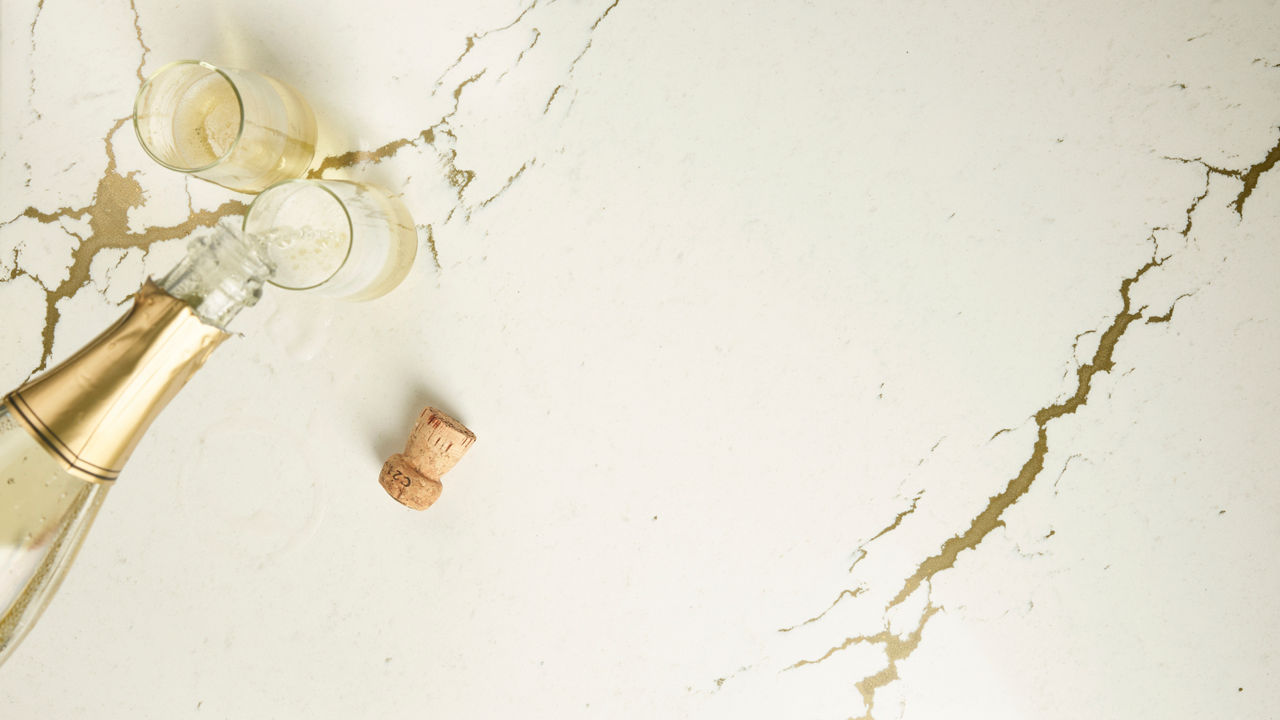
(828, 360)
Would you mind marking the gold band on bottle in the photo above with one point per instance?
(91, 410)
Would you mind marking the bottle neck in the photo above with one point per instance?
(222, 274)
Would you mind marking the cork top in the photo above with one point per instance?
(435, 445)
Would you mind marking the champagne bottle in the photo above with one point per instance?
(65, 435)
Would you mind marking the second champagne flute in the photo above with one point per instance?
(336, 238)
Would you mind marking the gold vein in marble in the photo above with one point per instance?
(594, 25)
(370, 157)
(510, 181)
(1153, 319)
(31, 86)
(862, 553)
(1251, 175)
(599, 20)
(457, 92)
(896, 649)
(431, 244)
(459, 178)
(1185, 232)
(578, 58)
(108, 218)
(1065, 466)
(899, 647)
(846, 593)
(897, 521)
(470, 42)
(537, 35)
(137, 29)
(990, 517)
(552, 99)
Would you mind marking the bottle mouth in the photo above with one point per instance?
(222, 274)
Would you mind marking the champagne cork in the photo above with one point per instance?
(436, 444)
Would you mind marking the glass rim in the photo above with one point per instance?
(137, 99)
(321, 184)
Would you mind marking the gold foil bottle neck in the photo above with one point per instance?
(91, 410)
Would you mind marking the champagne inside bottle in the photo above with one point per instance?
(45, 513)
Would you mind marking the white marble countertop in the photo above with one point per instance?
(827, 360)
